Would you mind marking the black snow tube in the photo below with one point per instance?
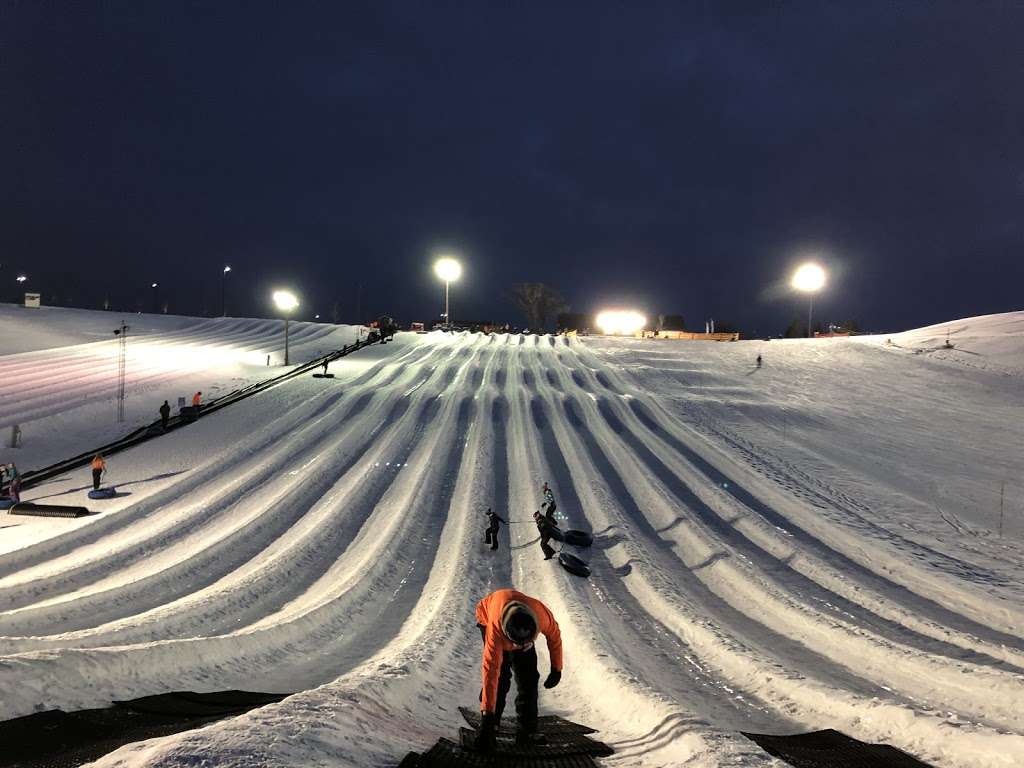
(573, 564)
(578, 538)
(47, 510)
(323, 375)
(103, 493)
(556, 533)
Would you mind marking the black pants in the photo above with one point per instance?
(546, 548)
(96, 479)
(491, 537)
(164, 420)
(522, 664)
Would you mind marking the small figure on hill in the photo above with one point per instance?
(509, 623)
(545, 525)
(494, 522)
(758, 361)
(99, 466)
(325, 367)
(548, 494)
(14, 489)
(197, 401)
(165, 415)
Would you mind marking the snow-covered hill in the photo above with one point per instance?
(59, 370)
(811, 544)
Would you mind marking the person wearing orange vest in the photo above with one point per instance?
(509, 623)
(99, 466)
(197, 400)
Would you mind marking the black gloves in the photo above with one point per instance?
(486, 737)
(553, 679)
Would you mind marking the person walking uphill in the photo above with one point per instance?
(494, 522)
(509, 623)
(99, 466)
(165, 414)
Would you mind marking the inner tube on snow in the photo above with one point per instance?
(323, 375)
(578, 538)
(556, 533)
(103, 493)
(573, 564)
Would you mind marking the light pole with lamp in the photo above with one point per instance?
(448, 269)
(156, 298)
(809, 279)
(224, 290)
(21, 284)
(286, 302)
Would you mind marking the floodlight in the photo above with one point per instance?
(619, 322)
(808, 278)
(448, 269)
(285, 300)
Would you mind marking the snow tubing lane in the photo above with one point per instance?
(573, 564)
(47, 510)
(577, 538)
(103, 493)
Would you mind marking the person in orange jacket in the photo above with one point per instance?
(509, 623)
(197, 401)
(99, 466)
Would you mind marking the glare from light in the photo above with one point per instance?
(808, 278)
(285, 300)
(448, 269)
(154, 285)
(21, 278)
(227, 268)
(620, 322)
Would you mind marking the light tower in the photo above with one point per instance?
(286, 302)
(809, 278)
(448, 269)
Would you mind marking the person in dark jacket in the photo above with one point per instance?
(544, 525)
(165, 414)
(494, 522)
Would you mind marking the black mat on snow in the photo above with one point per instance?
(832, 749)
(56, 739)
(567, 746)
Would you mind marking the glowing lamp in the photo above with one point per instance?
(448, 269)
(618, 322)
(285, 300)
(808, 278)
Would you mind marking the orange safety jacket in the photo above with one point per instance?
(98, 463)
(196, 399)
(488, 615)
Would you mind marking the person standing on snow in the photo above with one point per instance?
(197, 401)
(544, 525)
(494, 522)
(14, 489)
(99, 466)
(165, 414)
(509, 623)
(758, 361)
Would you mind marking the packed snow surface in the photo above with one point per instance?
(833, 540)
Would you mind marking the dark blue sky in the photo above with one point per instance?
(679, 156)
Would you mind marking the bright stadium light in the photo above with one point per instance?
(21, 278)
(224, 290)
(449, 270)
(619, 322)
(809, 278)
(286, 302)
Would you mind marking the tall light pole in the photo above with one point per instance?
(156, 298)
(224, 290)
(448, 269)
(286, 302)
(21, 282)
(809, 278)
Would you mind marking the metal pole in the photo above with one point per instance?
(810, 310)
(447, 317)
(286, 339)
(223, 294)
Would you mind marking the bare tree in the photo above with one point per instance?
(538, 301)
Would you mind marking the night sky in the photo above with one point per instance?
(679, 158)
